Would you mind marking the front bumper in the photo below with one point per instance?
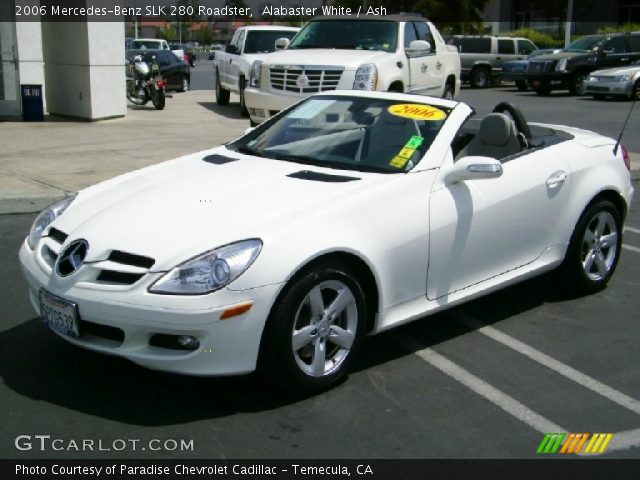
(624, 88)
(262, 104)
(550, 81)
(121, 323)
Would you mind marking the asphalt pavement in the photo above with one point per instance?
(485, 380)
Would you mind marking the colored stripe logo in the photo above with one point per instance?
(594, 444)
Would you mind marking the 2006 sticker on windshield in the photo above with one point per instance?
(417, 112)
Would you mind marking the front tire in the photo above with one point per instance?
(159, 100)
(222, 95)
(480, 78)
(314, 330)
(635, 93)
(577, 84)
(594, 249)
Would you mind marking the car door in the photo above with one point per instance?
(483, 228)
(614, 53)
(423, 67)
(506, 53)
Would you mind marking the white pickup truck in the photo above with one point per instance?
(248, 44)
(400, 53)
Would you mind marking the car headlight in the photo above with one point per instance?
(44, 219)
(210, 271)
(562, 64)
(624, 78)
(254, 74)
(366, 77)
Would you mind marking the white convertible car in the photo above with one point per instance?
(345, 215)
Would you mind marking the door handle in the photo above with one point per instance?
(556, 179)
(498, 58)
(424, 67)
(624, 59)
(438, 65)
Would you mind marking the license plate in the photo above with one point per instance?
(60, 315)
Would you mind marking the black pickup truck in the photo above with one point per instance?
(567, 70)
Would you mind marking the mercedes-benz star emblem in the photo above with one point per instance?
(72, 257)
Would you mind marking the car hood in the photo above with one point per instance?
(611, 72)
(350, 59)
(562, 54)
(181, 208)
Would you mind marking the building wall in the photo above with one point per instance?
(30, 60)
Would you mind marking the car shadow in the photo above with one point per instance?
(37, 364)
(229, 111)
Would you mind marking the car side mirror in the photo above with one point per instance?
(418, 48)
(282, 43)
(231, 49)
(474, 168)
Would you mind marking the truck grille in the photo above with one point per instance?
(305, 79)
(540, 66)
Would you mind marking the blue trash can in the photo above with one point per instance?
(32, 110)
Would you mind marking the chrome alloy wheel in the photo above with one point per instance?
(324, 328)
(599, 246)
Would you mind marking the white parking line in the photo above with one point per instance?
(630, 248)
(542, 358)
(624, 440)
(482, 388)
(631, 229)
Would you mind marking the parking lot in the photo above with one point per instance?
(485, 380)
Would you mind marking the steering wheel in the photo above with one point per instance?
(516, 115)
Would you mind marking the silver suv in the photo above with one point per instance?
(482, 56)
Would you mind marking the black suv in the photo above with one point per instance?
(567, 70)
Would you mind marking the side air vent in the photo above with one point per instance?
(218, 159)
(321, 177)
(131, 259)
(119, 278)
(57, 235)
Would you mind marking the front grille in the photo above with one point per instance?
(305, 79)
(605, 79)
(540, 66)
(595, 88)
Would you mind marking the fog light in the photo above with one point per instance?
(188, 342)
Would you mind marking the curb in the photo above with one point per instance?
(28, 204)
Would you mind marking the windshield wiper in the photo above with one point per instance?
(309, 45)
(247, 151)
(305, 159)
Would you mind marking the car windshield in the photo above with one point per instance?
(348, 133)
(265, 41)
(348, 34)
(140, 44)
(585, 44)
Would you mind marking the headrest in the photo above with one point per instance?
(496, 130)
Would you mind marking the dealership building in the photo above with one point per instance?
(78, 63)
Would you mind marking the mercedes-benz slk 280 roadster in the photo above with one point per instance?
(347, 214)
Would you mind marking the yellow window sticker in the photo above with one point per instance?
(417, 112)
(398, 162)
(407, 152)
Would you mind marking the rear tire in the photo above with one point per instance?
(159, 100)
(521, 85)
(448, 92)
(480, 78)
(307, 347)
(594, 248)
(222, 95)
(243, 105)
(184, 85)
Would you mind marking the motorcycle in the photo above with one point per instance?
(145, 83)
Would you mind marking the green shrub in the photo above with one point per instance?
(542, 40)
(627, 27)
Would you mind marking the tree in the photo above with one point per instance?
(205, 35)
(447, 14)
